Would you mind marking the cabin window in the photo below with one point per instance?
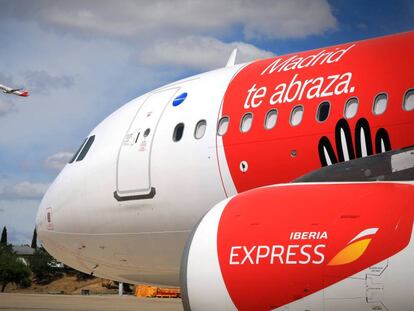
(323, 111)
(147, 132)
(86, 148)
(380, 104)
(77, 152)
(246, 122)
(409, 100)
(296, 115)
(223, 126)
(271, 118)
(351, 108)
(178, 132)
(200, 129)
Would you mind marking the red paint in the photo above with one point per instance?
(378, 65)
(268, 216)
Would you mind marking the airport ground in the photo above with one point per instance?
(43, 302)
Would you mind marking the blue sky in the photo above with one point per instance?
(82, 60)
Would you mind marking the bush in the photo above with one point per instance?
(43, 266)
(12, 269)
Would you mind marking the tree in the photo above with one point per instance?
(43, 266)
(4, 236)
(34, 239)
(12, 269)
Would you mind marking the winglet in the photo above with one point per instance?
(232, 59)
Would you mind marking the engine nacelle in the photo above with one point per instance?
(325, 246)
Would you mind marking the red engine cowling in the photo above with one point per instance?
(338, 246)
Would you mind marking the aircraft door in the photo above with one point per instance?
(133, 180)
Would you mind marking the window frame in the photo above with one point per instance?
(175, 132)
(346, 103)
(319, 110)
(266, 117)
(375, 100)
(405, 99)
(197, 127)
(242, 121)
(291, 114)
(219, 124)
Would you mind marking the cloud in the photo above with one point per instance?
(40, 81)
(6, 79)
(24, 190)
(58, 160)
(137, 19)
(198, 52)
(6, 106)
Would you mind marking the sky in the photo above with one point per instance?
(81, 60)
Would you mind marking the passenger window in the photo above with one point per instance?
(271, 118)
(77, 152)
(223, 126)
(147, 132)
(200, 129)
(86, 148)
(296, 115)
(380, 104)
(409, 100)
(351, 108)
(323, 111)
(178, 132)
(246, 122)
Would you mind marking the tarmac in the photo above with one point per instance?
(42, 302)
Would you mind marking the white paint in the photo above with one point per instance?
(345, 151)
(366, 232)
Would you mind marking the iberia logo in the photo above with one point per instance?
(354, 249)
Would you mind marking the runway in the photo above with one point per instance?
(13, 302)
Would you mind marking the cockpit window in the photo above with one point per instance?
(86, 148)
(77, 152)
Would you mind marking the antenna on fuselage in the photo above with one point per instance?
(232, 59)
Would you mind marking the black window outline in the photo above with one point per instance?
(411, 90)
(199, 123)
(220, 122)
(243, 120)
(267, 117)
(85, 149)
(318, 111)
(291, 115)
(375, 101)
(78, 151)
(346, 105)
(177, 136)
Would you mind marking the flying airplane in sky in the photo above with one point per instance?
(19, 92)
(283, 183)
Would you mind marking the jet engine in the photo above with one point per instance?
(304, 246)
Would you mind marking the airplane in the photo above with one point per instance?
(19, 92)
(283, 183)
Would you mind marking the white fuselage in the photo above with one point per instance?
(140, 240)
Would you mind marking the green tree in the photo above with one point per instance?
(12, 269)
(43, 266)
(34, 240)
(4, 236)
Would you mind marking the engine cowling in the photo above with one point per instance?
(325, 246)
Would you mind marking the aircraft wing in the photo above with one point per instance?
(396, 165)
